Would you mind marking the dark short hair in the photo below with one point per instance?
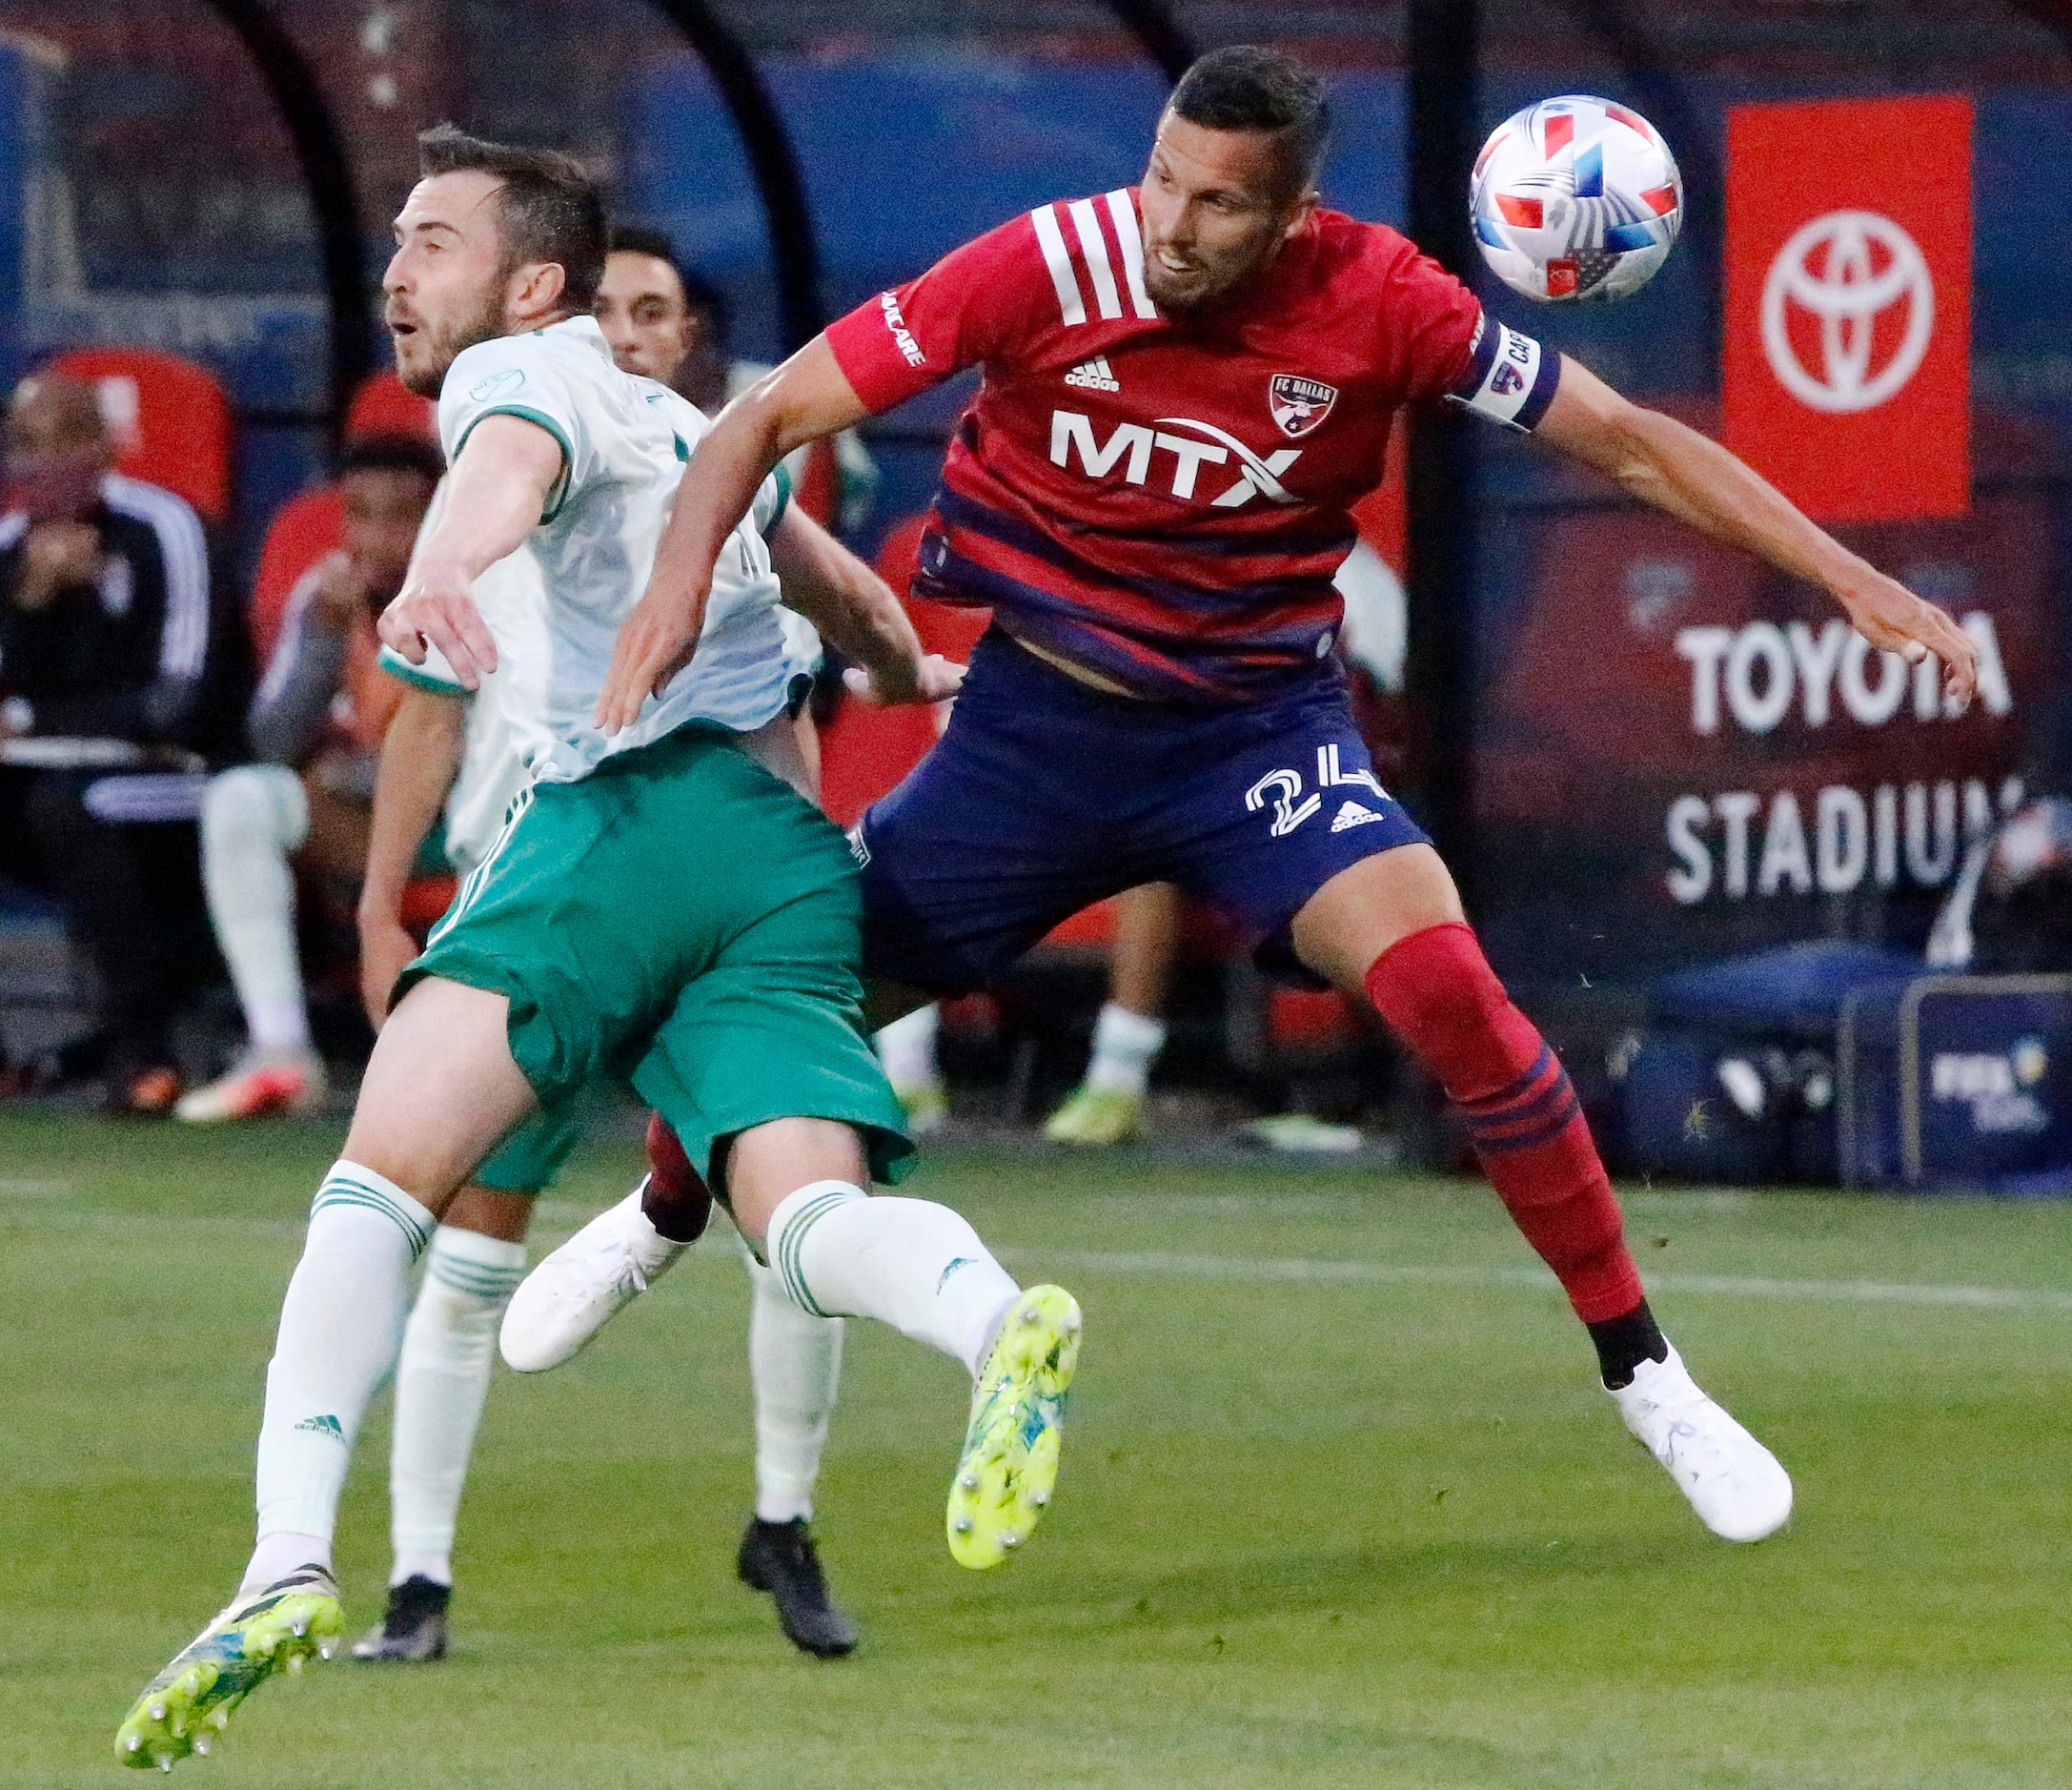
(1247, 87)
(700, 295)
(549, 208)
(389, 451)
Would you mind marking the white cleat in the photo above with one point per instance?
(579, 1288)
(1734, 1483)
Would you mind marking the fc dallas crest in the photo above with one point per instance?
(1299, 404)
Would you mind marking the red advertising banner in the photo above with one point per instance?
(1848, 323)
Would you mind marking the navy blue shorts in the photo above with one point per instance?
(1045, 795)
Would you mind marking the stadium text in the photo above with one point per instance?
(1760, 669)
(1893, 834)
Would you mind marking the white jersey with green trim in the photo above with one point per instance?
(625, 442)
(492, 766)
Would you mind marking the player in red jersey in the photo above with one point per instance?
(1186, 385)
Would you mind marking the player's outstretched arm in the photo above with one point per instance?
(806, 399)
(420, 757)
(860, 613)
(494, 496)
(1679, 470)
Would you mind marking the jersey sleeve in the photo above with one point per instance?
(1448, 348)
(773, 497)
(434, 674)
(1430, 322)
(514, 376)
(970, 307)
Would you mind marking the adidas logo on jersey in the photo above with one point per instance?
(326, 1425)
(1353, 814)
(1094, 375)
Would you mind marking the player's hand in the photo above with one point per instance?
(385, 948)
(933, 679)
(655, 642)
(436, 608)
(1895, 621)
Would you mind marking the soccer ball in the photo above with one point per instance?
(1575, 198)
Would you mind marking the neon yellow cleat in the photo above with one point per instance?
(1095, 1115)
(186, 1705)
(927, 1106)
(1011, 1458)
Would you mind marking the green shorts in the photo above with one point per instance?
(681, 919)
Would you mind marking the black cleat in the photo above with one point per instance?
(415, 1627)
(780, 1559)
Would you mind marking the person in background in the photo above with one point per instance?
(1107, 1106)
(661, 311)
(106, 675)
(316, 730)
(663, 320)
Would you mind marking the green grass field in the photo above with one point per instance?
(1341, 1503)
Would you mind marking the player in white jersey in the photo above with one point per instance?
(658, 901)
(478, 1255)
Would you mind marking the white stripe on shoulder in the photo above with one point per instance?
(183, 641)
(1094, 245)
(288, 642)
(13, 527)
(1125, 215)
(1059, 260)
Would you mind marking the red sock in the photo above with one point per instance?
(1439, 995)
(677, 1201)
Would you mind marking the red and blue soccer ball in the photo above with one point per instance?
(1575, 198)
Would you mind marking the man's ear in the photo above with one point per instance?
(534, 291)
(1305, 209)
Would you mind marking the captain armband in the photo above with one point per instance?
(1511, 378)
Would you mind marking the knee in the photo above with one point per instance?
(1436, 982)
(253, 805)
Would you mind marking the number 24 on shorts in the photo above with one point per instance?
(1284, 788)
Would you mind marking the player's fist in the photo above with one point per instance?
(1895, 621)
(436, 608)
(385, 948)
(655, 642)
(932, 679)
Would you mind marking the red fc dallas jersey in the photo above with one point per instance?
(1163, 501)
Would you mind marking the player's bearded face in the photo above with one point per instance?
(1217, 205)
(447, 283)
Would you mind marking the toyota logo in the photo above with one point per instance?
(1848, 296)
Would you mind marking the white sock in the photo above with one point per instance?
(911, 1264)
(340, 1326)
(795, 1360)
(1125, 1044)
(907, 1048)
(252, 818)
(281, 1553)
(441, 1384)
